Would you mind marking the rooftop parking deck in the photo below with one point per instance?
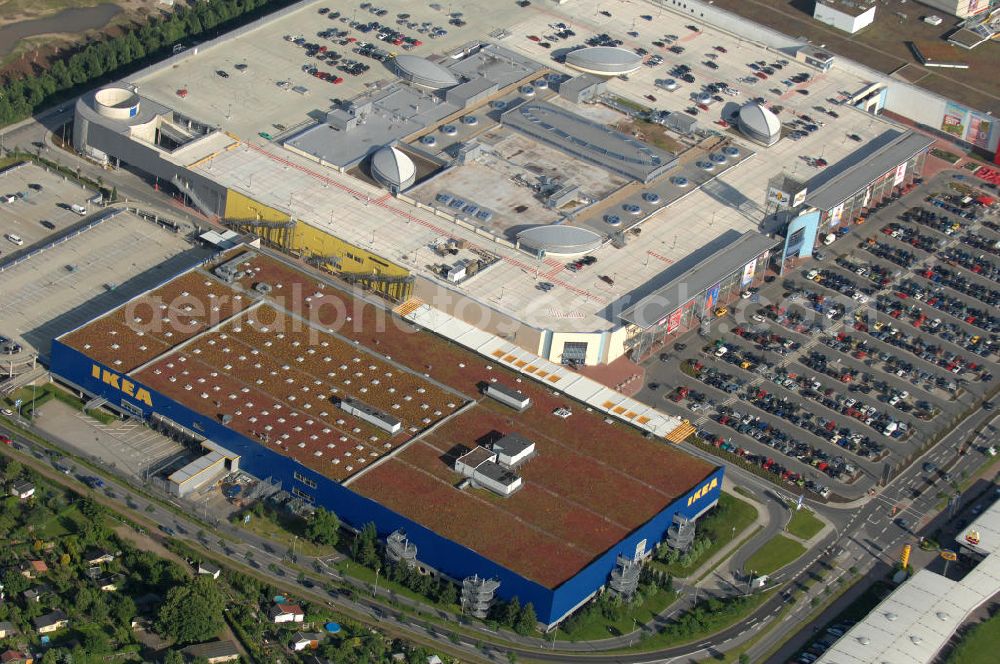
(695, 225)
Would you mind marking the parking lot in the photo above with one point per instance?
(35, 204)
(852, 362)
(268, 81)
(128, 446)
(72, 282)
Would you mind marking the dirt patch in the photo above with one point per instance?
(652, 133)
(147, 543)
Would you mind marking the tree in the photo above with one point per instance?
(364, 549)
(174, 657)
(447, 593)
(527, 621)
(323, 528)
(192, 612)
(12, 470)
(511, 612)
(744, 658)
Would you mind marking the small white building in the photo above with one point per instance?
(847, 15)
(512, 449)
(480, 465)
(23, 490)
(209, 569)
(282, 613)
(508, 395)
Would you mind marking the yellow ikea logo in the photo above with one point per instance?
(122, 384)
(703, 491)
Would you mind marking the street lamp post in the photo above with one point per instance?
(375, 589)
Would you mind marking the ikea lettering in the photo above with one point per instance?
(122, 384)
(703, 491)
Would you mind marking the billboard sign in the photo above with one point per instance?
(836, 214)
(972, 537)
(980, 127)
(799, 198)
(949, 555)
(954, 120)
(674, 320)
(748, 271)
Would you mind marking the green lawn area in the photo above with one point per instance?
(36, 397)
(285, 529)
(804, 524)
(711, 622)
(977, 644)
(596, 626)
(774, 555)
(67, 522)
(718, 525)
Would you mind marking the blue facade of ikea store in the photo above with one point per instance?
(434, 550)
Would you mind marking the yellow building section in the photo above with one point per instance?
(244, 208)
(357, 265)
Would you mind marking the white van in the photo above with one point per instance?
(79, 209)
(15, 239)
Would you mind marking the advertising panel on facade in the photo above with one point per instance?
(900, 174)
(712, 296)
(867, 198)
(980, 127)
(748, 271)
(836, 214)
(674, 320)
(800, 198)
(953, 121)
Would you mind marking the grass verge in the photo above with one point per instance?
(977, 643)
(598, 626)
(722, 525)
(804, 524)
(775, 554)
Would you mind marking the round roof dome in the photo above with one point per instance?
(604, 60)
(393, 168)
(424, 72)
(759, 124)
(560, 240)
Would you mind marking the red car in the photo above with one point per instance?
(534, 38)
(5, 439)
(761, 75)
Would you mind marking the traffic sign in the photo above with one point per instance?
(949, 555)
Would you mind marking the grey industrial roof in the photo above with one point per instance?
(511, 392)
(609, 60)
(859, 169)
(690, 283)
(560, 240)
(212, 649)
(496, 472)
(424, 72)
(512, 444)
(581, 82)
(475, 457)
(590, 140)
(919, 618)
